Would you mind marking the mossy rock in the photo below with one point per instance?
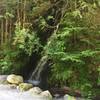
(25, 86)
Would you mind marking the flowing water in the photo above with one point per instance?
(36, 75)
(35, 78)
(6, 93)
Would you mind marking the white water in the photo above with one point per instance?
(36, 75)
(6, 93)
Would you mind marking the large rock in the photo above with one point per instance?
(46, 94)
(35, 91)
(24, 86)
(15, 79)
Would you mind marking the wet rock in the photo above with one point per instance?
(24, 86)
(15, 79)
(35, 91)
(46, 94)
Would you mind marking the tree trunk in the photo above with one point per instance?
(2, 31)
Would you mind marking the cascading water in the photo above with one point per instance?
(35, 78)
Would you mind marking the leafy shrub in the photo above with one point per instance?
(74, 50)
(16, 55)
(25, 40)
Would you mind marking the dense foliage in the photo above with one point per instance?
(67, 31)
(16, 54)
(75, 52)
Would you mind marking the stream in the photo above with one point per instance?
(8, 93)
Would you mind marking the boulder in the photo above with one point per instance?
(24, 86)
(46, 94)
(15, 79)
(35, 91)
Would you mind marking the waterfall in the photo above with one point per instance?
(36, 74)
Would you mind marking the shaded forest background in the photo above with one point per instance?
(66, 31)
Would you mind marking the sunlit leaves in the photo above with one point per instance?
(25, 40)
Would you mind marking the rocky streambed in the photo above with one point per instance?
(12, 87)
(8, 93)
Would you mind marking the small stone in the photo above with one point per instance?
(56, 95)
(24, 86)
(35, 91)
(68, 97)
(15, 79)
(47, 95)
